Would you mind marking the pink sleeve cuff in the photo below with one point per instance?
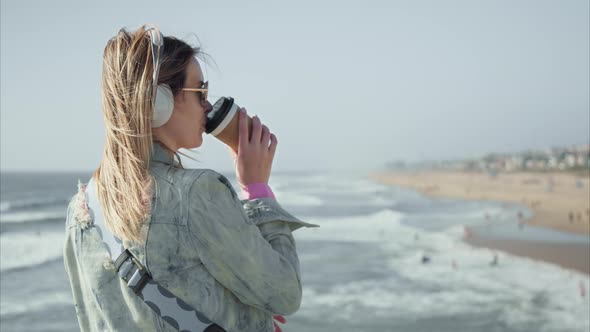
(257, 190)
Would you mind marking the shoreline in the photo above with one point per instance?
(557, 201)
(567, 255)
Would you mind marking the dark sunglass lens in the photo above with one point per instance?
(205, 93)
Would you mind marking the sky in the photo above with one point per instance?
(344, 85)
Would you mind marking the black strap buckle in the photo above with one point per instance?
(132, 272)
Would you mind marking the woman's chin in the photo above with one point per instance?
(198, 142)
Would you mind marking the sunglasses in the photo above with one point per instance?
(203, 91)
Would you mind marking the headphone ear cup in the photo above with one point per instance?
(163, 106)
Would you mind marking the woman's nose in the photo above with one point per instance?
(208, 107)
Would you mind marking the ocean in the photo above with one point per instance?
(384, 259)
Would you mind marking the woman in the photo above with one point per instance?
(233, 261)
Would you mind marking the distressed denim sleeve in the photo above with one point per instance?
(259, 266)
(275, 225)
(75, 276)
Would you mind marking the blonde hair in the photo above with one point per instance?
(123, 178)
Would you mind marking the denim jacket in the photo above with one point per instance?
(234, 261)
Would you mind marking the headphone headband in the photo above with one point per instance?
(157, 45)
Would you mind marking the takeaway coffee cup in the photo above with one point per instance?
(222, 122)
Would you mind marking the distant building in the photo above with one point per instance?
(555, 158)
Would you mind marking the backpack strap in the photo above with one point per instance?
(132, 272)
(169, 307)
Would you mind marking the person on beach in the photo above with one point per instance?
(233, 261)
(494, 261)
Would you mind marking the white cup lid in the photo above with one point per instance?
(230, 115)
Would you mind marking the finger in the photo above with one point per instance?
(265, 136)
(243, 127)
(273, 145)
(280, 318)
(256, 129)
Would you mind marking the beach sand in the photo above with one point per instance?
(558, 200)
(573, 256)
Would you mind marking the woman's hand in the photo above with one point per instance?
(256, 151)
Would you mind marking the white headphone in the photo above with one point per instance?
(163, 99)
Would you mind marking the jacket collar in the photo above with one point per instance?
(160, 154)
